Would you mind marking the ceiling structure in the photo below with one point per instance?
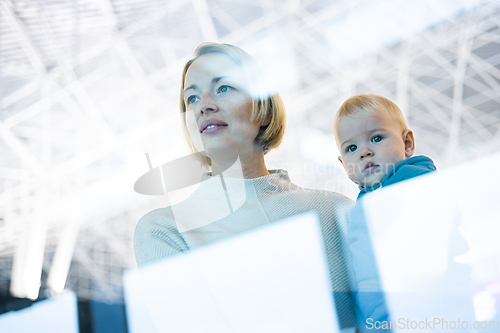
(88, 86)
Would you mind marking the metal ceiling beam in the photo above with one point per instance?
(24, 153)
(205, 21)
(27, 44)
(58, 96)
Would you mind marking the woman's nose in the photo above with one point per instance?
(208, 104)
(366, 152)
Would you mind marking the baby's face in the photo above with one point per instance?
(370, 145)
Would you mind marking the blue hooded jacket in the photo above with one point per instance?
(406, 169)
(370, 297)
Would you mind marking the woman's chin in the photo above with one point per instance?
(221, 153)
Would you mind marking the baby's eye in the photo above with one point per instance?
(351, 148)
(223, 89)
(377, 138)
(191, 99)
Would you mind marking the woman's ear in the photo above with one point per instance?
(267, 120)
(409, 141)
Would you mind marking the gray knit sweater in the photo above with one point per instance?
(223, 208)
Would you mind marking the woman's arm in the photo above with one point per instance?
(156, 237)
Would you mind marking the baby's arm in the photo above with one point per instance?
(370, 297)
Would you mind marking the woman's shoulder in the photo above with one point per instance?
(319, 195)
(325, 197)
(333, 208)
(331, 204)
(334, 197)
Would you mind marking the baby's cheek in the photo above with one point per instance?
(350, 167)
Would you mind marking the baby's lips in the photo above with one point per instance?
(369, 165)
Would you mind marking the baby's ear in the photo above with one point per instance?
(340, 159)
(409, 141)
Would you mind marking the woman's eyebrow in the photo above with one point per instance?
(214, 80)
(217, 79)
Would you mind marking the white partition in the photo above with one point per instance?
(272, 279)
(431, 235)
(54, 315)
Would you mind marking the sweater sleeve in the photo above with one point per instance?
(156, 237)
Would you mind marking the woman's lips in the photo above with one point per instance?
(213, 128)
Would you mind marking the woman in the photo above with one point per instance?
(239, 120)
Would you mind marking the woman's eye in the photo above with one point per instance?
(377, 138)
(223, 89)
(191, 99)
(351, 148)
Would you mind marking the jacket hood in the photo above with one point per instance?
(408, 168)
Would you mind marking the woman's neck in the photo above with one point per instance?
(249, 167)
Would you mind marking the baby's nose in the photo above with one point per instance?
(365, 152)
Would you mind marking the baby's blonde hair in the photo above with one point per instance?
(372, 104)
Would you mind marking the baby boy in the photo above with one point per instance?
(376, 146)
(376, 149)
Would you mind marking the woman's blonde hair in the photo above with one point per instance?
(264, 101)
(371, 103)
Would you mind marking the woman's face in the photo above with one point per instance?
(216, 91)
